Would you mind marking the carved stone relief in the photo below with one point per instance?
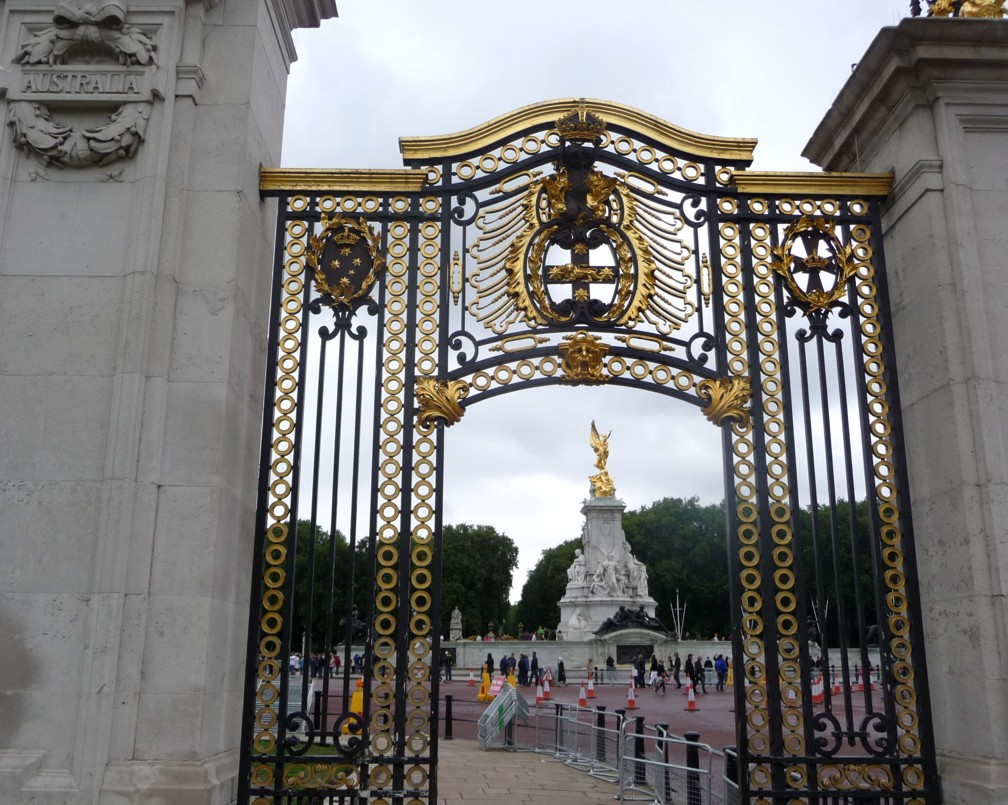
(88, 60)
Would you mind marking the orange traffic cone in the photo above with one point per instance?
(582, 697)
(818, 692)
(860, 683)
(631, 699)
(472, 680)
(691, 701)
(546, 690)
(591, 688)
(836, 684)
(539, 693)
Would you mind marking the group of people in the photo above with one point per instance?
(317, 664)
(694, 670)
(525, 669)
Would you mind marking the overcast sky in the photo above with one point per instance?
(391, 68)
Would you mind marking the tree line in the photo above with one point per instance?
(681, 542)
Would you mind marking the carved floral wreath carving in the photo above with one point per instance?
(77, 34)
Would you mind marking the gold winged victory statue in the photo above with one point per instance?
(601, 483)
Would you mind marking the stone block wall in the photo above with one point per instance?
(135, 259)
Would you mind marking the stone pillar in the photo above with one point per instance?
(135, 260)
(929, 102)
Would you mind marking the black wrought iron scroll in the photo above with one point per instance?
(581, 242)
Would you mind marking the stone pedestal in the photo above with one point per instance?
(135, 259)
(605, 576)
(929, 102)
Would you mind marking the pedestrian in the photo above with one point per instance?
(688, 671)
(489, 666)
(534, 668)
(561, 672)
(698, 675)
(676, 668)
(661, 678)
(640, 669)
(447, 662)
(721, 668)
(610, 666)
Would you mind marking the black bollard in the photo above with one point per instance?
(448, 717)
(600, 753)
(662, 732)
(559, 727)
(620, 719)
(640, 770)
(693, 792)
(731, 769)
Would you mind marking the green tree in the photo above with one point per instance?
(477, 565)
(322, 585)
(544, 587)
(320, 567)
(830, 552)
(683, 545)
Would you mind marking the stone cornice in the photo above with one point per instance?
(300, 13)
(904, 67)
(309, 13)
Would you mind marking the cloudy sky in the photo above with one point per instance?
(391, 68)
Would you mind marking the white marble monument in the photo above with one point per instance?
(605, 575)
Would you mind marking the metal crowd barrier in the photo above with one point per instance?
(649, 763)
(500, 716)
(588, 739)
(665, 769)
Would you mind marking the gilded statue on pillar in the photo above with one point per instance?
(601, 483)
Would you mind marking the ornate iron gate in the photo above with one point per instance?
(584, 242)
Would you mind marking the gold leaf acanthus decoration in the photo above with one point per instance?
(440, 400)
(728, 398)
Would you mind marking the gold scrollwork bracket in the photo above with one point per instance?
(440, 400)
(582, 358)
(728, 398)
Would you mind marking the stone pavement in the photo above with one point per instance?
(468, 774)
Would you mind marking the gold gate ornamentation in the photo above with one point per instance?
(582, 242)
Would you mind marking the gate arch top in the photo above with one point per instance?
(544, 114)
